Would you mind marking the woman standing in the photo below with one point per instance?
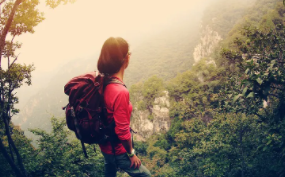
(113, 61)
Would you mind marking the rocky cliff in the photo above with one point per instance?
(145, 127)
(208, 42)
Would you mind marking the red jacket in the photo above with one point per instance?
(119, 107)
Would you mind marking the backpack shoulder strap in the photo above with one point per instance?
(114, 81)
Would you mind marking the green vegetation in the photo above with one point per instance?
(228, 116)
(224, 15)
(167, 53)
(56, 155)
(17, 17)
(144, 94)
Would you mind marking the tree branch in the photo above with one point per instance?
(10, 53)
(13, 39)
(7, 27)
(11, 152)
(7, 128)
(13, 61)
(12, 164)
(1, 9)
(11, 142)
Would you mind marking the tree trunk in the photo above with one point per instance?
(11, 152)
(11, 142)
(12, 164)
(4, 117)
(7, 27)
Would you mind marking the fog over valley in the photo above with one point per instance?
(204, 91)
(65, 38)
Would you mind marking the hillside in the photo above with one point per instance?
(218, 111)
(158, 54)
(227, 115)
(167, 53)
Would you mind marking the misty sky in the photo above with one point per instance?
(77, 31)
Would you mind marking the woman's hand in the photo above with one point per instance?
(135, 161)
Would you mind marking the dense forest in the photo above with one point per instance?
(227, 116)
(227, 110)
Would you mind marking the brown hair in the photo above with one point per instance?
(113, 54)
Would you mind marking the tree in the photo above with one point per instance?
(152, 88)
(17, 17)
(245, 136)
(58, 155)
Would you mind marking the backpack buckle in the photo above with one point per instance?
(96, 84)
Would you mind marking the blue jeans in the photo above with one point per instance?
(123, 162)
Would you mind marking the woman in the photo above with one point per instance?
(113, 61)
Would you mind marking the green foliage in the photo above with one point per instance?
(58, 156)
(237, 141)
(143, 94)
(16, 17)
(141, 147)
(194, 92)
(55, 3)
(176, 126)
(222, 15)
(221, 125)
(12, 79)
(150, 117)
(221, 148)
(20, 140)
(152, 88)
(136, 92)
(259, 70)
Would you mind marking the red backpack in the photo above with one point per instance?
(85, 112)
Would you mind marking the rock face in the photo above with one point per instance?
(160, 123)
(209, 41)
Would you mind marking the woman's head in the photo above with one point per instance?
(114, 56)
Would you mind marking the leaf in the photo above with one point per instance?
(250, 95)
(268, 142)
(244, 91)
(247, 71)
(237, 97)
(266, 73)
(249, 61)
(259, 81)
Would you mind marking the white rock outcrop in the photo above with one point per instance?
(209, 41)
(160, 123)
